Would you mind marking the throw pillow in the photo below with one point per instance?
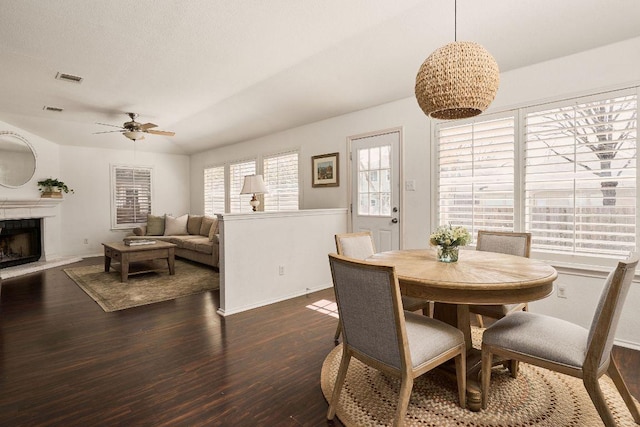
(194, 223)
(207, 221)
(175, 226)
(214, 230)
(155, 225)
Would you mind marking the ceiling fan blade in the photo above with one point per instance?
(107, 124)
(147, 126)
(161, 132)
(109, 131)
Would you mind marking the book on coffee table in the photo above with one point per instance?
(139, 242)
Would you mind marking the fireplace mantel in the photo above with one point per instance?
(28, 208)
(45, 208)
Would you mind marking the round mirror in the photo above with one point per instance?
(17, 160)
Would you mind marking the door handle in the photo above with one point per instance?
(394, 220)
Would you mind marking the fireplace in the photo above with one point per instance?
(20, 241)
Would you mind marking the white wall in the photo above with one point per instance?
(266, 257)
(86, 213)
(609, 67)
(47, 165)
(331, 136)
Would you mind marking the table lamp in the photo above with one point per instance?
(253, 184)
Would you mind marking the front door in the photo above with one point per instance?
(375, 187)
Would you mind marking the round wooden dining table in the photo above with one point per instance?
(478, 277)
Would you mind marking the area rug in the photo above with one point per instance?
(148, 288)
(538, 397)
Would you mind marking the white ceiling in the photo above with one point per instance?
(217, 72)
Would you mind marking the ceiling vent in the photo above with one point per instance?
(69, 78)
(56, 109)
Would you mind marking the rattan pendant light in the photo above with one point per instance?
(457, 81)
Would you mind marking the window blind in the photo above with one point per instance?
(280, 173)
(476, 167)
(580, 176)
(237, 171)
(214, 193)
(131, 187)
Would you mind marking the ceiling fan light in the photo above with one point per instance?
(133, 134)
(456, 81)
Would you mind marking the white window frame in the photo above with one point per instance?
(259, 169)
(114, 203)
(576, 191)
(471, 224)
(570, 260)
(209, 206)
(271, 201)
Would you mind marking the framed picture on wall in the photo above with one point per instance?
(325, 170)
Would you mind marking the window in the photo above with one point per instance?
(214, 194)
(222, 185)
(374, 181)
(580, 176)
(476, 174)
(131, 196)
(281, 178)
(572, 185)
(237, 171)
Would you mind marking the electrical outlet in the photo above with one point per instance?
(86, 241)
(281, 270)
(562, 291)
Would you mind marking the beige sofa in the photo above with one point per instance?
(196, 236)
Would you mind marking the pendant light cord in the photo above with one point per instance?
(455, 20)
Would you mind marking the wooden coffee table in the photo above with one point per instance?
(138, 259)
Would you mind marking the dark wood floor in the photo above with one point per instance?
(65, 362)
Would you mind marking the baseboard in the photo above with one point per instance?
(627, 344)
(225, 313)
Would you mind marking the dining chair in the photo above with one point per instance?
(378, 332)
(360, 245)
(564, 347)
(510, 243)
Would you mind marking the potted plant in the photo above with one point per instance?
(53, 187)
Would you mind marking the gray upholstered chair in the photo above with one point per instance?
(378, 332)
(360, 246)
(504, 242)
(567, 348)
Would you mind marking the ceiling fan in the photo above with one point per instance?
(135, 130)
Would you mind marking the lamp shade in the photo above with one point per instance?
(134, 134)
(253, 184)
(456, 81)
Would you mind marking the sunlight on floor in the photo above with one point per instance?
(325, 307)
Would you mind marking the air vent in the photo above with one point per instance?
(56, 109)
(69, 77)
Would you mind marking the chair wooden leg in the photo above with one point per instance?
(595, 393)
(403, 400)
(485, 379)
(431, 308)
(337, 388)
(614, 373)
(338, 332)
(480, 321)
(513, 368)
(461, 375)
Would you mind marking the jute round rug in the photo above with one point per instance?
(538, 397)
